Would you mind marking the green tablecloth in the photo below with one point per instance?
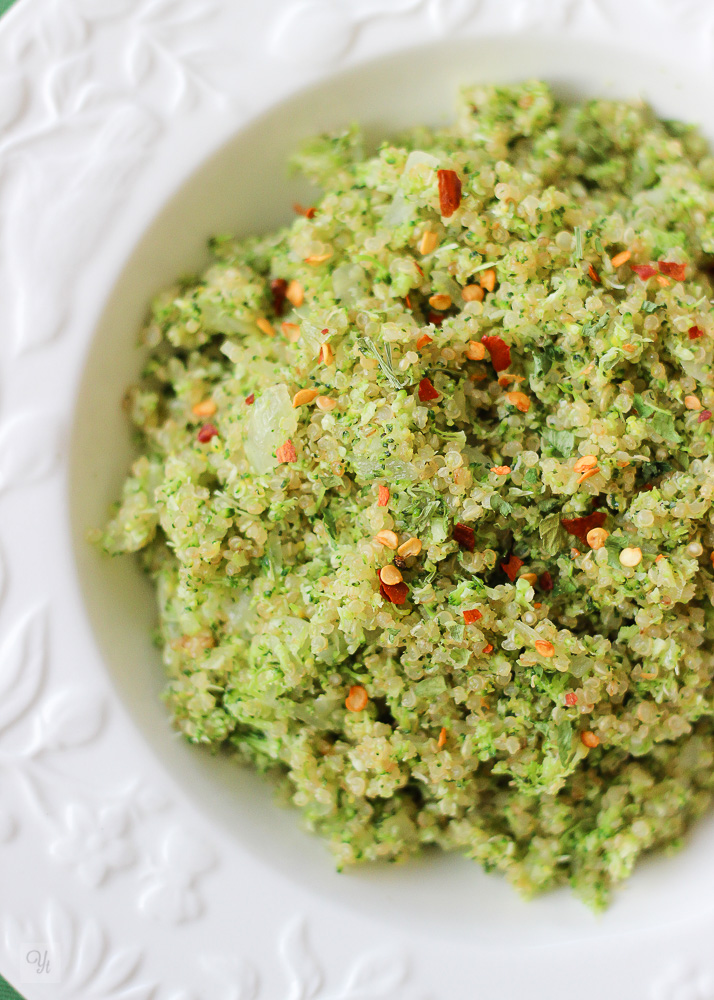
(6, 991)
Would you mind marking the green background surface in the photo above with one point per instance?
(6, 991)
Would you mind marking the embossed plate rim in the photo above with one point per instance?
(121, 867)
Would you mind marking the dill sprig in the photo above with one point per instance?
(386, 366)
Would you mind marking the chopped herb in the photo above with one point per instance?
(565, 741)
(368, 347)
(560, 441)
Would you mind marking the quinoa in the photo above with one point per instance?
(425, 488)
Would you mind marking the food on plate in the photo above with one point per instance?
(425, 487)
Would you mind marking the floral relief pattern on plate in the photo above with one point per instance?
(683, 982)
(82, 963)
(68, 140)
(87, 967)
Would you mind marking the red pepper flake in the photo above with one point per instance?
(695, 332)
(435, 318)
(407, 302)
(512, 567)
(427, 391)
(593, 274)
(672, 270)
(278, 289)
(571, 698)
(423, 341)
(472, 615)
(309, 213)
(396, 593)
(207, 432)
(419, 268)
(703, 416)
(286, 452)
(487, 649)
(449, 192)
(465, 537)
(546, 581)
(579, 526)
(382, 496)
(250, 399)
(644, 271)
(500, 352)
(442, 738)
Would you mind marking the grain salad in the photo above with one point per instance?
(425, 488)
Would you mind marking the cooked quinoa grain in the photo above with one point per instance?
(507, 652)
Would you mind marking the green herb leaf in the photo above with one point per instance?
(500, 505)
(564, 740)
(551, 535)
(650, 307)
(663, 424)
(653, 470)
(590, 328)
(561, 441)
(643, 409)
(610, 359)
(328, 519)
(543, 360)
(547, 505)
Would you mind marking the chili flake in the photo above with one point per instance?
(571, 698)
(382, 496)
(580, 526)
(465, 537)
(519, 400)
(472, 615)
(500, 352)
(644, 271)
(396, 593)
(286, 452)
(449, 192)
(672, 270)
(487, 280)
(512, 567)
(206, 433)
(279, 289)
(423, 341)
(695, 332)
(427, 391)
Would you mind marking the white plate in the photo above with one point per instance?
(129, 131)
